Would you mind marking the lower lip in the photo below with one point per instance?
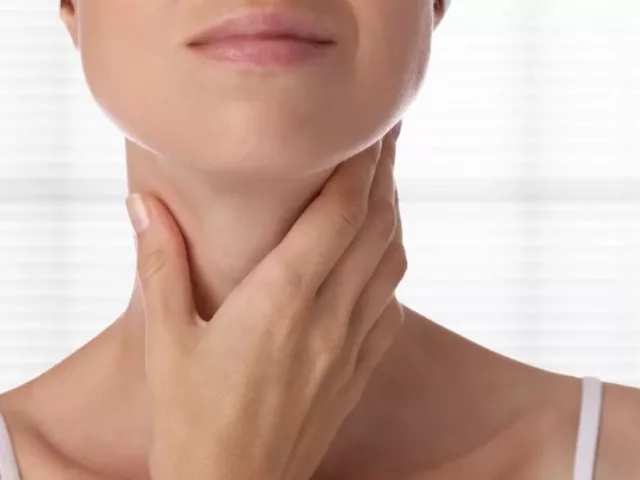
(263, 52)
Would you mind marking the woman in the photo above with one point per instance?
(237, 138)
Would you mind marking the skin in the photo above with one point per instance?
(260, 390)
(437, 406)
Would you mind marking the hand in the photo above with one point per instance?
(260, 390)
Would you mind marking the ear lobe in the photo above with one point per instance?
(70, 19)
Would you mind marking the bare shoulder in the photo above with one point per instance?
(35, 456)
(25, 442)
(619, 441)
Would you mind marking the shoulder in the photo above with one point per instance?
(554, 450)
(619, 440)
(36, 457)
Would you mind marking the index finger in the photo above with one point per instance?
(315, 243)
(323, 232)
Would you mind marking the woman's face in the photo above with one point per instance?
(165, 97)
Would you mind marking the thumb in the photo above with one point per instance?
(162, 269)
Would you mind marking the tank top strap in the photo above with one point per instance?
(8, 465)
(588, 431)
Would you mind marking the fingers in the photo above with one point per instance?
(343, 286)
(329, 225)
(162, 269)
(299, 264)
(377, 294)
(313, 246)
(377, 343)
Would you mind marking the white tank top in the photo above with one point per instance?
(585, 448)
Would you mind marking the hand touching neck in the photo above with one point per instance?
(229, 221)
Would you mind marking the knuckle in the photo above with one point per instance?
(384, 220)
(288, 279)
(352, 215)
(153, 263)
(327, 343)
(398, 262)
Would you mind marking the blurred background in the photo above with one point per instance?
(518, 171)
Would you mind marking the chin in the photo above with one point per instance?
(261, 152)
(267, 144)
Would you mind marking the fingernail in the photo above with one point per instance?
(138, 213)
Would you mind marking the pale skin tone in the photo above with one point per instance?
(260, 390)
(236, 159)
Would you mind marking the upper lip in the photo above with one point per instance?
(261, 23)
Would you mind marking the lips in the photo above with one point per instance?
(266, 25)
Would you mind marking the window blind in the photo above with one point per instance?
(518, 171)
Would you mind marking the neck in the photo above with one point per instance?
(229, 221)
(433, 396)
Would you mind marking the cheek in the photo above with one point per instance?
(394, 45)
(119, 58)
